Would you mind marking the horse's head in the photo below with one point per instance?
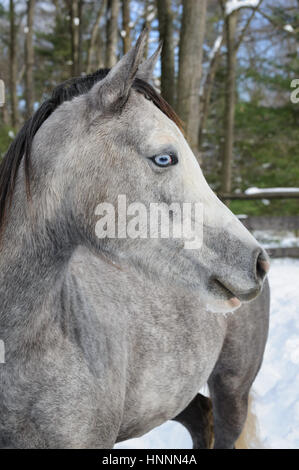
(121, 138)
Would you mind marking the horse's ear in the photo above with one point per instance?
(112, 92)
(146, 69)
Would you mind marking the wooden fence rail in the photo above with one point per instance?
(260, 195)
(283, 223)
(279, 223)
(283, 252)
(276, 223)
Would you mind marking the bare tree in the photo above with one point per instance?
(112, 32)
(75, 20)
(5, 115)
(13, 64)
(147, 20)
(94, 37)
(29, 58)
(190, 67)
(165, 17)
(206, 89)
(229, 112)
(101, 50)
(126, 30)
(3, 107)
(232, 46)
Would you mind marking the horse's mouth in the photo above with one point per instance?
(229, 294)
(223, 300)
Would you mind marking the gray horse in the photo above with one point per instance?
(107, 338)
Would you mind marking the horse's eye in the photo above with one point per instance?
(164, 160)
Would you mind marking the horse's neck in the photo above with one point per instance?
(32, 270)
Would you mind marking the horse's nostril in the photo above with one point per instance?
(262, 265)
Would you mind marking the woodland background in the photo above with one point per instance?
(227, 68)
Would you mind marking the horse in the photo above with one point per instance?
(107, 338)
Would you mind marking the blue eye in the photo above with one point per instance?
(164, 160)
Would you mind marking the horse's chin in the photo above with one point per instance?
(222, 306)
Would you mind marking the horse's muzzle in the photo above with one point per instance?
(257, 273)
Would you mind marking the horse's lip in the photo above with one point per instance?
(234, 302)
(222, 299)
(231, 296)
(246, 296)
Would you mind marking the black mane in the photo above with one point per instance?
(20, 148)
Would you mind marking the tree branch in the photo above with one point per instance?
(243, 32)
(93, 36)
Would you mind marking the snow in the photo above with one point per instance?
(277, 385)
(266, 202)
(270, 190)
(289, 28)
(266, 165)
(2, 93)
(275, 239)
(276, 389)
(213, 51)
(150, 16)
(215, 47)
(233, 5)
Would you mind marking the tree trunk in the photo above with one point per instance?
(80, 33)
(101, 51)
(13, 65)
(94, 37)
(5, 115)
(75, 36)
(112, 31)
(190, 67)
(165, 17)
(29, 59)
(146, 24)
(232, 45)
(208, 85)
(3, 107)
(126, 36)
(229, 111)
(206, 94)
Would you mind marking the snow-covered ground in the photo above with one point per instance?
(277, 385)
(275, 239)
